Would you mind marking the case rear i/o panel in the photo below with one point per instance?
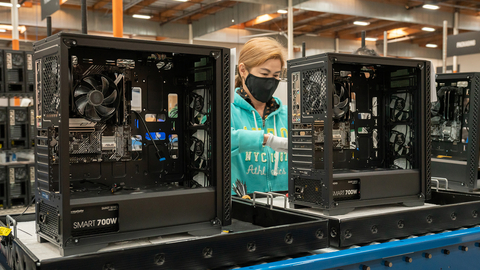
(132, 140)
(455, 127)
(14, 66)
(358, 131)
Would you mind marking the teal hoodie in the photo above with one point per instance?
(253, 163)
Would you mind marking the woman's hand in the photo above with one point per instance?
(278, 144)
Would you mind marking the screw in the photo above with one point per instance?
(251, 246)
(427, 255)
(446, 251)
(400, 224)
(453, 216)
(108, 267)
(207, 252)
(374, 229)
(76, 240)
(463, 248)
(474, 214)
(364, 267)
(408, 259)
(288, 238)
(348, 234)
(159, 259)
(319, 234)
(429, 219)
(333, 233)
(387, 264)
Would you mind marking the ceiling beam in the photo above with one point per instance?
(388, 11)
(168, 14)
(136, 8)
(100, 4)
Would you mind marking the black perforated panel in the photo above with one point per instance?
(50, 225)
(51, 85)
(473, 156)
(314, 92)
(428, 128)
(226, 137)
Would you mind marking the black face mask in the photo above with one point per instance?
(262, 89)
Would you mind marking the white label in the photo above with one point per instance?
(32, 175)
(29, 62)
(32, 117)
(9, 61)
(12, 117)
(467, 43)
(12, 176)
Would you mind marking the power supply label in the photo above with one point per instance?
(94, 220)
(346, 189)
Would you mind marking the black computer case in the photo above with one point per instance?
(358, 131)
(3, 128)
(3, 186)
(132, 140)
(18, 127)
(14, 68)
(455, 127)
(18, 181)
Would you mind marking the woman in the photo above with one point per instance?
(259, 120)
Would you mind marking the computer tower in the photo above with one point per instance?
(29, 73)
(358, 131)
(18, 127)
(31, 184)
(132, 140)
(3, 128)
(455, 127)
(14, 66)
(18, 181)
(3, 186)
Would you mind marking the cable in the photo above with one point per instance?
(160, 155)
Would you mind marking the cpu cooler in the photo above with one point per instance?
(95, 97)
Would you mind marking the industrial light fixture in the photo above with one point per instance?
(361, 23)
(3, 30)
(428, 29)
(139, 16)
(432, 45)
(181, 0)
(282, 11)
(5, 27)
(3, 4)
(371, 39)
(430, 6)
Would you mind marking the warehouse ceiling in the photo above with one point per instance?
(404, 20)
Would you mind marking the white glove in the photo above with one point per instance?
(278, 144)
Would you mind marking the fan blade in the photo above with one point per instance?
(91, 81)
(81, 103)
(110, 99)
(342, 104)
(91, 113)
(81, 90)
(104, 111)
(105, 85)
(338, 113)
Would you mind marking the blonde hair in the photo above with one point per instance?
(258, 51)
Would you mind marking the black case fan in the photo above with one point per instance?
(95, 97)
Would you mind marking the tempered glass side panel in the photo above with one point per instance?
(374, 117)
(139, 121)
(450, 119)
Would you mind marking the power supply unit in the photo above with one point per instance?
(132, 140)
(14, 67)
(18, 177)
(358, 131)
(18, 127)
(455, 127)
(29, 73)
